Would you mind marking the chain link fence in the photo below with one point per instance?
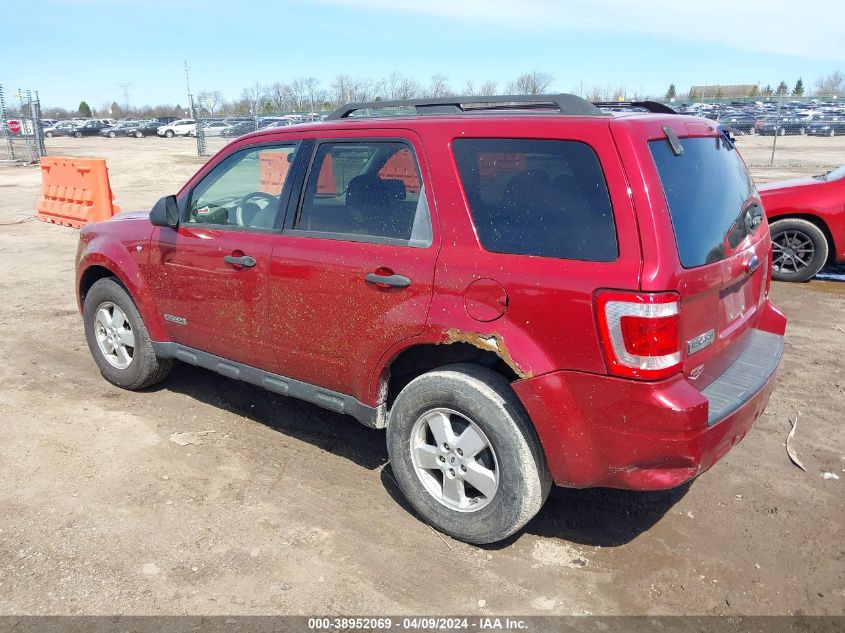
(221, 130)
(23, 134)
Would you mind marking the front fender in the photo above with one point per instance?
(125, 260)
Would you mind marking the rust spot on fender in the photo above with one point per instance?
(492, 342)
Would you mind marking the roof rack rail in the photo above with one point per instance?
(564, 103)
(648, 106)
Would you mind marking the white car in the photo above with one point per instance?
(182, 127)
(214, 128)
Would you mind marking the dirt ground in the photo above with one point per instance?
(281, 507)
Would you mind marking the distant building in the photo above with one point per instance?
(717, 91)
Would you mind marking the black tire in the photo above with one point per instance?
(112, 135)
(139, 134)
(77, 134)
(785, 234)
(145, 369)
(48, 134)
(485, 398)
(169, 133)
(782, 131)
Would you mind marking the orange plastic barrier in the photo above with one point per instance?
(401, 166)
(326, 184)
(274, 168)
(75, 191)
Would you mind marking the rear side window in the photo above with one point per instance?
(537, 197)
(365, 191)
(711, 197)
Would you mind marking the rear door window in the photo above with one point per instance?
(366, 191)
(537, 197)
(711, 197)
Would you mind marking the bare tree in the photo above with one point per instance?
(397, 86)
(469, 88)
(439, 86)
(831, 84)
(253, 96)
(341, 89)
(210, 99)
(311, 86)
(596, 93)
(279, 96)
(489, 88)
(533, 83)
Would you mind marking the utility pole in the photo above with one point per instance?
(190, 96)
(125, 97)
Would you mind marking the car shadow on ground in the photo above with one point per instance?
(332, 432)
(599, 516)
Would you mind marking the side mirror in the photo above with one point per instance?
(165, 212)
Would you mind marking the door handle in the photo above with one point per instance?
(394, 281)
(245, 260)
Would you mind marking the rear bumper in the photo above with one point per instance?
(611, 432)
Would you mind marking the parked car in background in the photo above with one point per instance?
(166, 120)
(827, 126)
(266, 122)
(143, 128)
(238, 129)
(182, 127)
(782, 126)
(89, 128)
(62, 128)
(214, 128)
(499, 357)
(121, 129)
(744, 123)
(807, 222)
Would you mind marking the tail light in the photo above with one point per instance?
(640, 333)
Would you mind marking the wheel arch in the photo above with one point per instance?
(420, 357)
(99, 264)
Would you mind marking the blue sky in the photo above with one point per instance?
(71, 50)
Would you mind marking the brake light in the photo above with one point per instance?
(640, 333)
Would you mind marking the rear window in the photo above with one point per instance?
(709, 193)
(537, 197)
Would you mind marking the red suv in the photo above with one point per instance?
(523, 291)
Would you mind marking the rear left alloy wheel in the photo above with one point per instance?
(466, 455)
(118, 339)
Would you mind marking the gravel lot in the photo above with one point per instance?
(282, 507)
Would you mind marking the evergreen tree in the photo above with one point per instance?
(783, 88)
(671, 93)
(798, 90)
(84, 109)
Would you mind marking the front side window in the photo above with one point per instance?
(537, 197)
(365, 191)
(243, 190)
